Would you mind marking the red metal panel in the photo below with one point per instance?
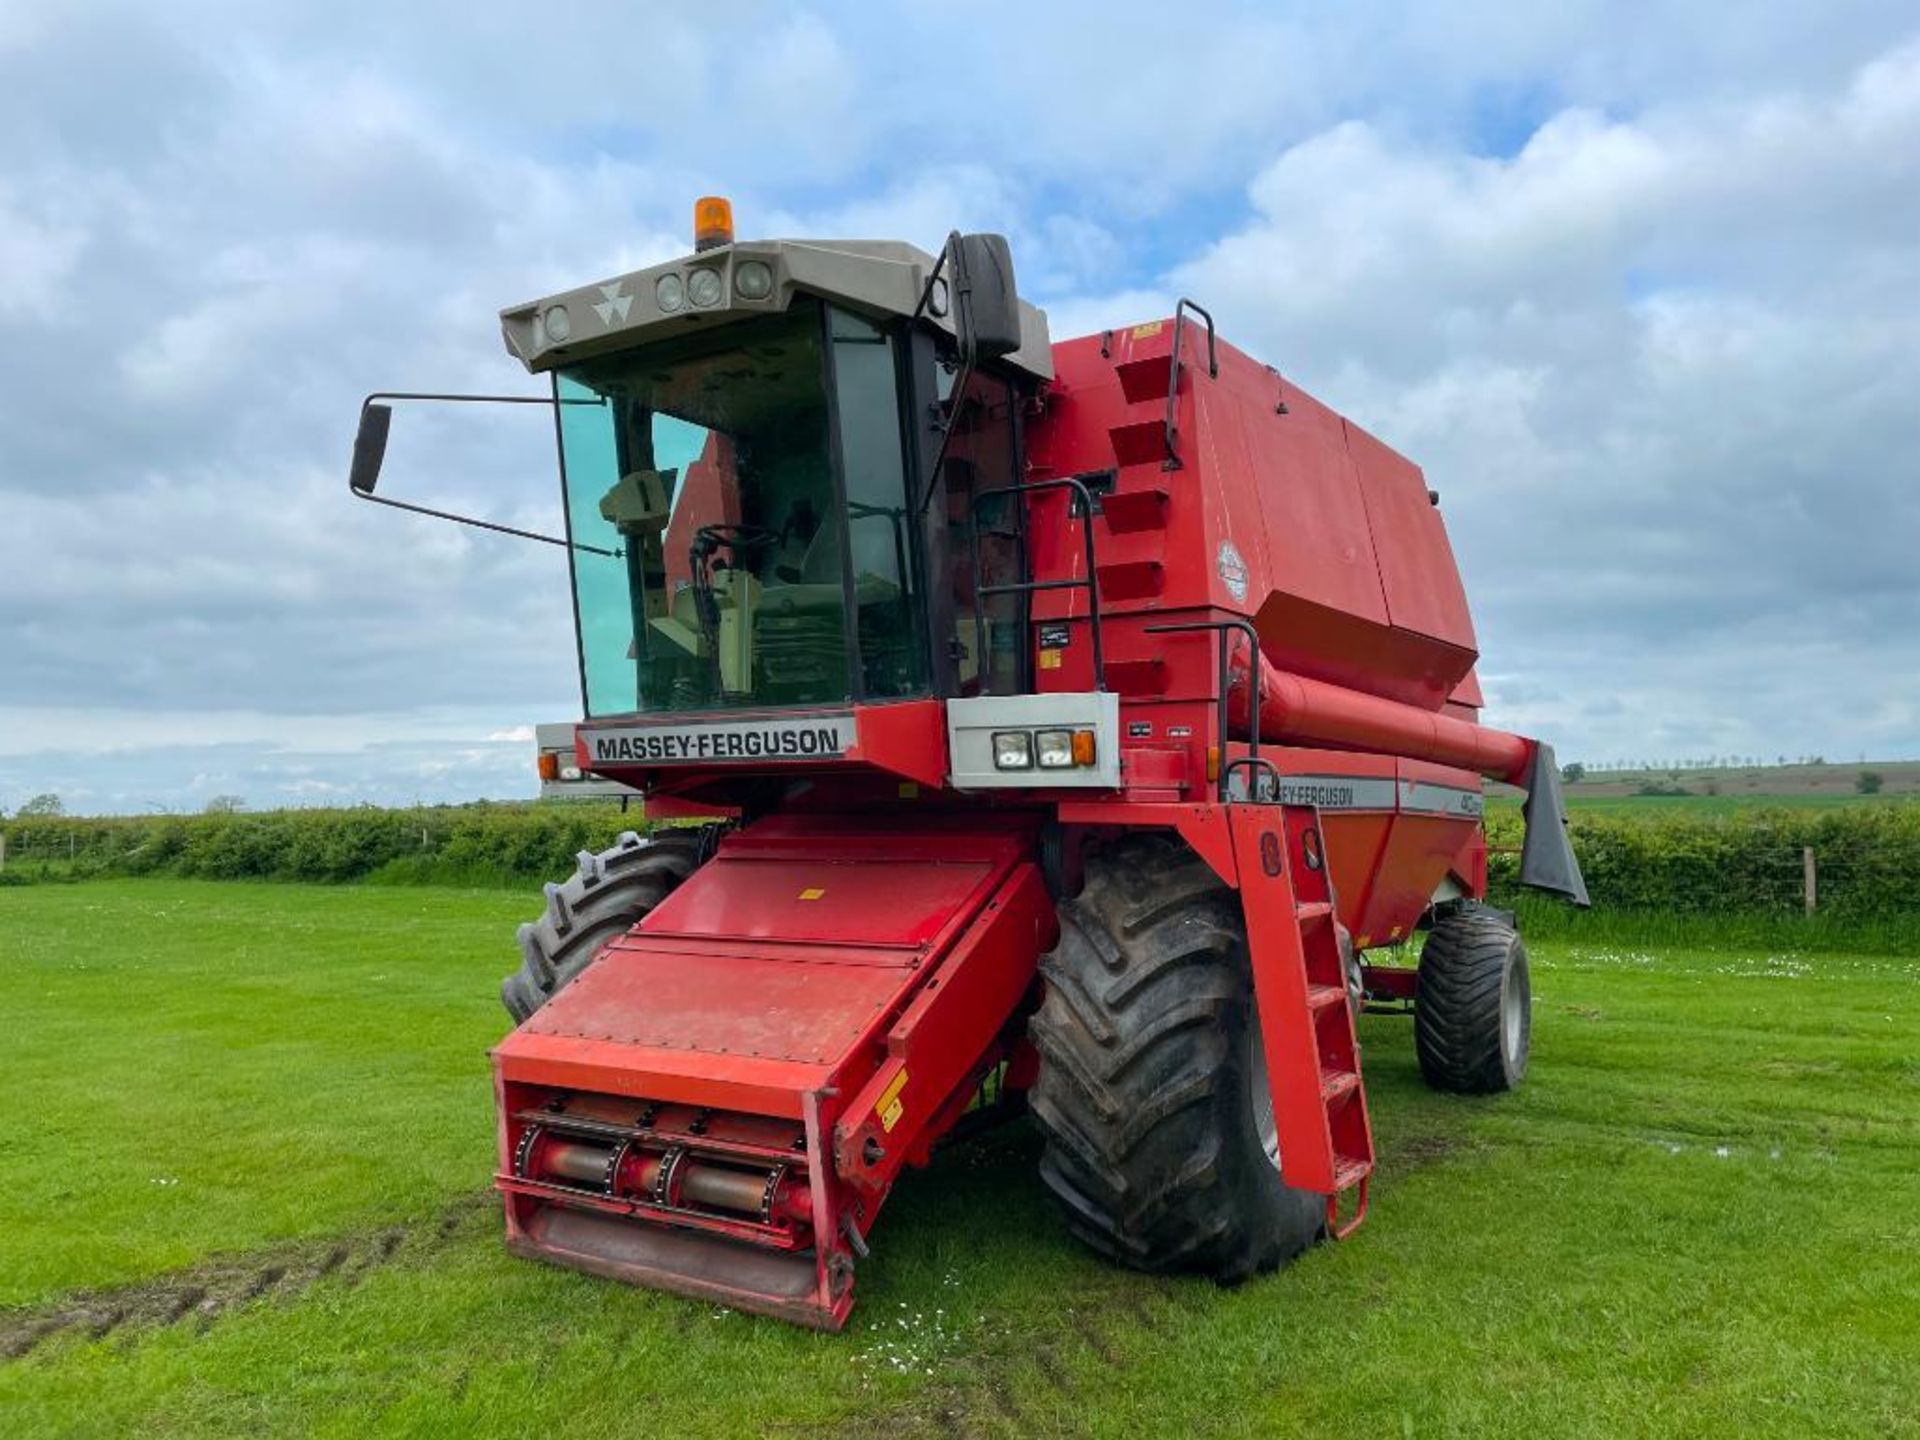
(827, 901)
(682, 1077)
(937, 1040)
(811, 1013)
(1309, 519)
(1417, 568)
(1348, 573)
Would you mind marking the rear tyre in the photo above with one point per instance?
(1152, 1091)
(608, 894)
(1473, 1004)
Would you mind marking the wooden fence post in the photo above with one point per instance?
(1809, 881)
(3, 850)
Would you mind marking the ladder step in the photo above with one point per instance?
(1313, 910)
(1132, 580)
(1137, 677)
(1338, 1084)
(1325, 997)
(1139, 442)
(1348, 1171)
(1131, 511)
(1145, 378)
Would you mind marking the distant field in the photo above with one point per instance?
(1723, 791)
(243, 1191)
(1776, 784)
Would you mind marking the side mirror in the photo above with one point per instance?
(986, 306)
(370, 447)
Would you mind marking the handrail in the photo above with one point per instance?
(1172, 462)
(1026, 587)
(1252, 762)
(1220, 628)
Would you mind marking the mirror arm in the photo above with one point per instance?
(374, 459)
(488, 525)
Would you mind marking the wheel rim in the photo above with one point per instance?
(1514, 998)
(1260, 1095)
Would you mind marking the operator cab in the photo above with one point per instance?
(746, 440)
(794, 497)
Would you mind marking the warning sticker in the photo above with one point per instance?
(1049, 659)
(812, 892)
(889, 1107)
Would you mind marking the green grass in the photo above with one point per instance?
(1701, 1216)
(202, 1066)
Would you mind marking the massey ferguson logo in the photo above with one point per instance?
(817, 737)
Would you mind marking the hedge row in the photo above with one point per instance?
(1868, 857)
(505, 841)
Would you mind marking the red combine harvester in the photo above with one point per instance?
(1062, 724)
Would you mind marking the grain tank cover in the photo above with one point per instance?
(881, 278)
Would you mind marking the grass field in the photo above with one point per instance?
(243, 1191)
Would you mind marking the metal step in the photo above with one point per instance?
(1132, 511)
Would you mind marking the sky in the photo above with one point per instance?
(1638, 285)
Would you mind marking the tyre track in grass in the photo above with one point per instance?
(221, 1284)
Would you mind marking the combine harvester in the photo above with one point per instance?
(1063, 724)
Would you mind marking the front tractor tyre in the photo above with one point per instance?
(608, 894)
(1152, 1094)
(1473, 1004)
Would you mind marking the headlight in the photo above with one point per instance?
(1055, 749)
(1012, 750)
(670, 293)
(752, 280)
(559, 327)
(703, 287)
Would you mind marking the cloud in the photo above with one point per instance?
(1638, 288)
(1675, 353)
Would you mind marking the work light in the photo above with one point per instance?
(1012, 750)
(752, 280)
(703, 287)
(1055, 749)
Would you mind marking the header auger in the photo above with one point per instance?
(1044, 727)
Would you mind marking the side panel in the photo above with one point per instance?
(1417, 568)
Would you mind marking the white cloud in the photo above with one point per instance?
(1660, 370)
(1638, 287)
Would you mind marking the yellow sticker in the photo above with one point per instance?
(1361, 942)
(1152, 327)
(811, 893)
(1049, 659)
(888, 1107)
